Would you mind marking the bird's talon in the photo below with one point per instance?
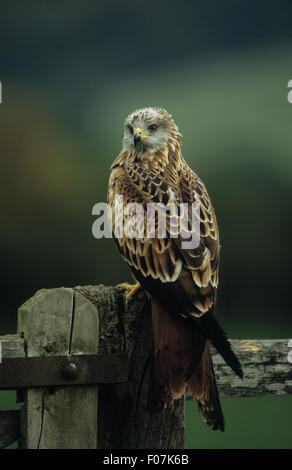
(132, 288)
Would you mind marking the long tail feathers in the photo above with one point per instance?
(197, 352)
(202, 386)
(213, 331)
(182, 358)
(172, 352)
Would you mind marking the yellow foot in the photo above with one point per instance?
(132, 288)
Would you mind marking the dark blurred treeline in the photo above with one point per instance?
(71, 72)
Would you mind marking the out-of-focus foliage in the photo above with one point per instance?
(71, 72)
(234, 117)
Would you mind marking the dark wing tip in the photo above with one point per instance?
(213, 331)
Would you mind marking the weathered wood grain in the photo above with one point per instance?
(124, 422)
(64, 321)
(12, 346)
(266, 368)
(267, 371)
(59, 322)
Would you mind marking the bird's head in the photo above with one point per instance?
(148, 130)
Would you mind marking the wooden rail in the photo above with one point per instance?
(110, 413)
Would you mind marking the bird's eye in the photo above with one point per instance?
(152, 127)
(130, 129)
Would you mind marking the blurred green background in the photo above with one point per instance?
(71, 71)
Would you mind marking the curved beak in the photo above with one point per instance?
(138, 135)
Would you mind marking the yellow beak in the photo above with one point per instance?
(142, 136)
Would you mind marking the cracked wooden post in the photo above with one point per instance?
(123, 419)
(93, 319)
(84, 320)
(59, 322)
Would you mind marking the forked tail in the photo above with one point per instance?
(179, 354)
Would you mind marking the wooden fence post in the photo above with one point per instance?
(123, 419)
(91, 319)
(86, 320)
(59, 322)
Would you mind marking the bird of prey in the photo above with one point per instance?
(182, 282)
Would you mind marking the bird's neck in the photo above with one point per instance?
(167, 157)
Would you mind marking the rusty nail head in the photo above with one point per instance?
(70, 371)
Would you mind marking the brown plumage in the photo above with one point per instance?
(182, 282)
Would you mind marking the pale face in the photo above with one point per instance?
(146, 131)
